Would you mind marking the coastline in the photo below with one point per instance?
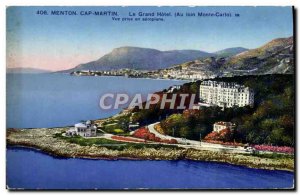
(44, 139)
(123, 76)
(27, 148)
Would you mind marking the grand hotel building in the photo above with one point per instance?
(226, 94)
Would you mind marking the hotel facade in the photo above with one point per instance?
(226, 94)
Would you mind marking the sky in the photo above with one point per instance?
(59, 42)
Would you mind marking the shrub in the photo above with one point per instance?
(119, 131)
(144, 133)
(224, 135)
(281, 149)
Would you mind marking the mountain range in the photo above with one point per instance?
(276, 56)
(149, 59)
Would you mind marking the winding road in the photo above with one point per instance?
(196, 144)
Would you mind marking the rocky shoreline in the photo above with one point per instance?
(44, 139)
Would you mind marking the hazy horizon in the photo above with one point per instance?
(61, 42)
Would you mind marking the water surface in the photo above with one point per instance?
(30, 169)
(54, 100)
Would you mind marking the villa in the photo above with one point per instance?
(86, 129)
(221, 125)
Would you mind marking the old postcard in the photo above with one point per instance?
(150, 98)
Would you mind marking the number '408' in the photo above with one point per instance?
(42, 12)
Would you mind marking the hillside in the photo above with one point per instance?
(230, 51)
(274, 57)
(270, 121)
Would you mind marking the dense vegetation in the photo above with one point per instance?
(154, 113)
(118, 125)
(270, 121)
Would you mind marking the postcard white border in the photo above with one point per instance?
(5, 3)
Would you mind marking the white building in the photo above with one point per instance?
(199, 105)
(86, 129)
(226, 94)
(219, 126)
(133, 126)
